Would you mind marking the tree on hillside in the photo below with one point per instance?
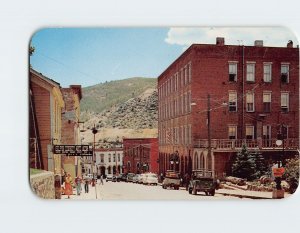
(244, 164)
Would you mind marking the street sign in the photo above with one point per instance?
(73, 150)
(278, 172)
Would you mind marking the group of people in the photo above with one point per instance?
(68, 184)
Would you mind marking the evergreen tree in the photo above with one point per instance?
(261, 166)
(244, 165)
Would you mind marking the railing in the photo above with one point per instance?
(232, 144)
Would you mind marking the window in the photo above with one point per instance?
(232, 132)
(118, 157)
(250, 102)
(251, 72)
(102, 158)
(267, 72)
(109, 158)
(266, 132)
(284, 102)
(249, 132)
(267, 101)
(232, 102)
(284, 73)
(232, 72)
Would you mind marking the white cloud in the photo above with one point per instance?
(272, 36)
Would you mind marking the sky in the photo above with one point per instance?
(89, 56)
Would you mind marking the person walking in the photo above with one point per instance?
(68, 185)
(86, 186)
(78, 185)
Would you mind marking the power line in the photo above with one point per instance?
(65, 65)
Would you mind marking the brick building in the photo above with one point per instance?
(140, 155)
(70, 124)
(252, 93)
(45, 108)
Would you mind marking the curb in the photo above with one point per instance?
(242, 196)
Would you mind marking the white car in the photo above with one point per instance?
(140, 179)
(150, 178)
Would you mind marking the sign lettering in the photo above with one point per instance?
(73, 150)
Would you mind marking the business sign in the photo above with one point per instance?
(73, 150)
(278, 172)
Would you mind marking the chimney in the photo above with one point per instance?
(290, 44)
(220, 41)
(259, 43)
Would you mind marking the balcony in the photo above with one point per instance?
(236, 144)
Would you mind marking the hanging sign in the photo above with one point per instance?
(278, 172)
(73, 150)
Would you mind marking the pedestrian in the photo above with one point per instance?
(187, 180)
(78, 184)
(68, 185)
(86, 186)
(101, 179)
(93, 182)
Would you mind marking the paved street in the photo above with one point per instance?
(130, 191)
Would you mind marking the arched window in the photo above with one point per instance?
(195, 161)
(209, 162)
(202, 161)
(109, 170)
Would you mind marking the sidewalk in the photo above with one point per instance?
(91, 195)
(248, 194)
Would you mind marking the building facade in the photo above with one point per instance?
(214, 98)
(71, 127)
(45, 108)
(140, 155)
(109, 161)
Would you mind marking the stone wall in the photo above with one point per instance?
(42, 185)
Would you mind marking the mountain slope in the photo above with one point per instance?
(103, 96)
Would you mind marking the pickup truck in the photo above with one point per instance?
(203, 181)
(172, 180)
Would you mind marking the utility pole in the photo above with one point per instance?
(208, 126)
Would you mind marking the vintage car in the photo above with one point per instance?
(172, 180)
(203, 181)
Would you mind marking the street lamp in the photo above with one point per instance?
(174, 160)
(94, 131)
(280, 141)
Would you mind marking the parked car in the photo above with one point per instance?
(110, 177)
(124, 177)
(150, 178)
(172, 180)
(118, 177)
(135, 179)
(203, 181)
(130, 177)
(140, 178)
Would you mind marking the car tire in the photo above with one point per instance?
(206, 193)
(190, 191)
(212, 192)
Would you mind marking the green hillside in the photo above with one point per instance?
(103, 96)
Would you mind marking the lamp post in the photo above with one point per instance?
(279, 193)
(174, 160)
(94, 131)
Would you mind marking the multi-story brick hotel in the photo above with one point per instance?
(251, 92)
